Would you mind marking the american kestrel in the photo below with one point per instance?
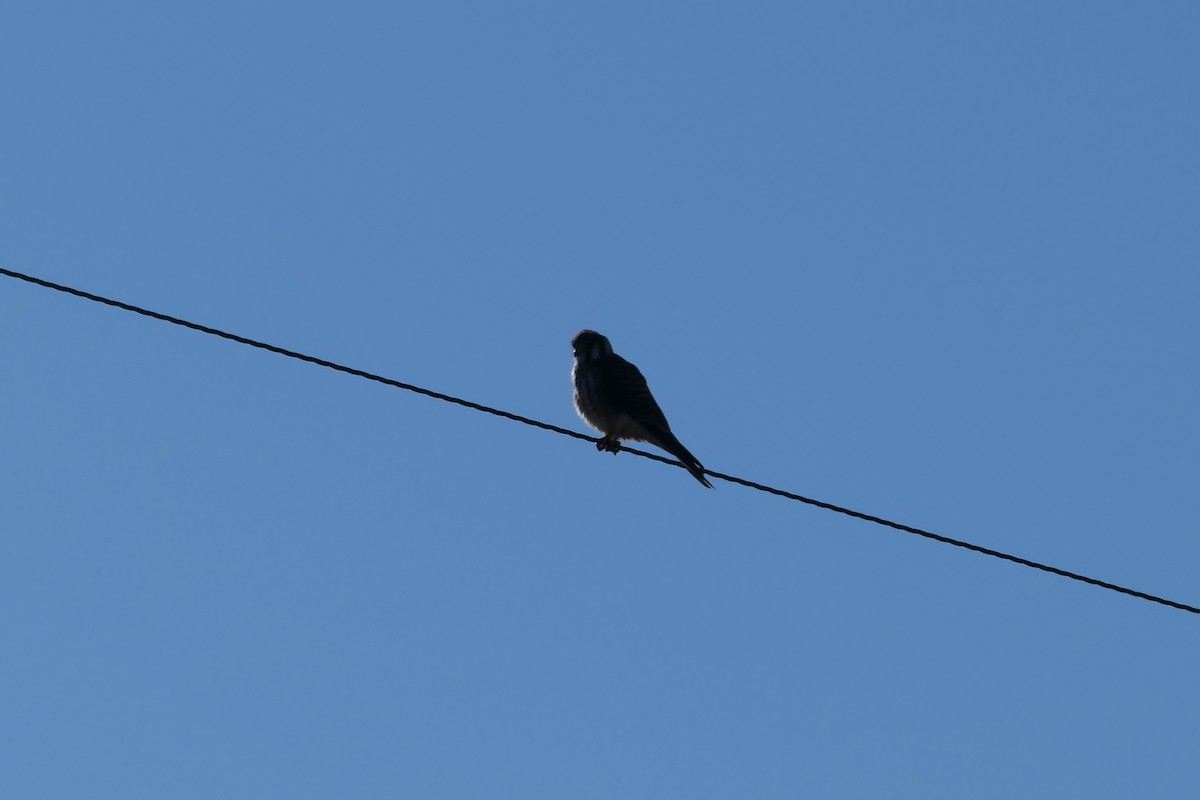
(612, 396)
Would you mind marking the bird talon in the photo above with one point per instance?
(609, 444)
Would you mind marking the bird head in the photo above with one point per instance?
(589, 346)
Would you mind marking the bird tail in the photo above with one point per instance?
(668, 442)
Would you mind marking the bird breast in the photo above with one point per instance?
(595, 412)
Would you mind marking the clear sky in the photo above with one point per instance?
(934, 261)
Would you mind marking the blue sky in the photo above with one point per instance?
(932, 261)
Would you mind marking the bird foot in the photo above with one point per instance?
(609, 444)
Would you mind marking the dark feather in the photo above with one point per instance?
(668, 442)
(623, 386)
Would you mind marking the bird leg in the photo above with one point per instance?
(610, 444)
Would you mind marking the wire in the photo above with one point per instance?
(233, 337)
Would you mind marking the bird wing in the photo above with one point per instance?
(623, 387)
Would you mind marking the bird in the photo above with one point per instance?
(611, 395)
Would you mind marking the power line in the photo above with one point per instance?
(575, 435)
